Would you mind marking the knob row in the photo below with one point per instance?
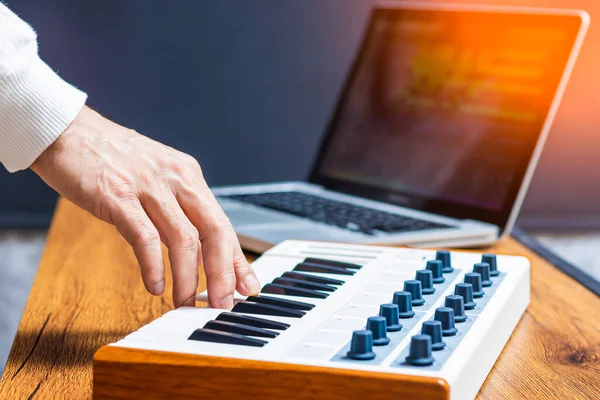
(443, 324)
(444, 257)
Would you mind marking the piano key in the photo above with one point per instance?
(304, 284)
(276, 301)
(168, 326)
(252, 321)
(276, 288)
(232, 327)
(331, 263)
(266, 309)
(195, 313)
(149, 337)
(312, 278)
(209, 335)
(324, 269)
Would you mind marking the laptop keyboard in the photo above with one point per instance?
(337, 213)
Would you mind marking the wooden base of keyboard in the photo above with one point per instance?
(121, 373)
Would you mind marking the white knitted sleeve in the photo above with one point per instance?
(36, 105)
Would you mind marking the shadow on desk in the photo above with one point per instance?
(71, 348)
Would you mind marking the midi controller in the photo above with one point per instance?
(379, 322)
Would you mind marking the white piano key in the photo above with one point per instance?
(172, 326)
(193, 347)
(195, 313)
(151, 337)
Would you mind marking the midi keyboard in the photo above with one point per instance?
(365, 316)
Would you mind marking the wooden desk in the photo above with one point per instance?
(88, 292)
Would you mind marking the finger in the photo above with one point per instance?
(216, 238)
(246, 282)
(133, 224)
(181, 238)
(218, 265)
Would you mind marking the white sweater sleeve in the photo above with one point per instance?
(36, 105)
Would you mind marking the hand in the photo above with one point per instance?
(151, 193)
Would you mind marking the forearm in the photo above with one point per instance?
(36, 105)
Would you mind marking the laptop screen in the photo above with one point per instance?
(442, 109)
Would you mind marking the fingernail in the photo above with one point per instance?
(159, 288)
(226, 303)
(191, 302)
(252, 284)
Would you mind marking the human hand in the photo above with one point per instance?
(151, 193)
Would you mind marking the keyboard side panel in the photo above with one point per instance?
(121, 373)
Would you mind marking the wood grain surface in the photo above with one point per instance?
(130, 373)
(88, 292)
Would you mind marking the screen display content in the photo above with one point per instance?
(447, 105)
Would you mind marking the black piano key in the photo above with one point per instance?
(312, 278)
(247, 307)
(209, 335)
(304, 284)
(332, 263)
(323, 269)
(232, 327)
(277, 288)
(276, 301)
(252, 321)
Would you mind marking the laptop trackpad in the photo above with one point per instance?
(243, 216)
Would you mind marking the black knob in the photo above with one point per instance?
(426, 278)
(445, 258)
(390, 313)
(434, 329)
(414, 288)
(361, 346)
(492, 260)
(446, 316)
(435, 266)
(475, 279)
(466, 291)
(456, 303)
(404, 302)
(484, 270)
(420, 351)
(378, 326)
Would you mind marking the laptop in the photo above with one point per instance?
(436, 133)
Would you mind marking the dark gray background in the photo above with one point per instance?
(247, 87)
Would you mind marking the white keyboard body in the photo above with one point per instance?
(322, 336)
